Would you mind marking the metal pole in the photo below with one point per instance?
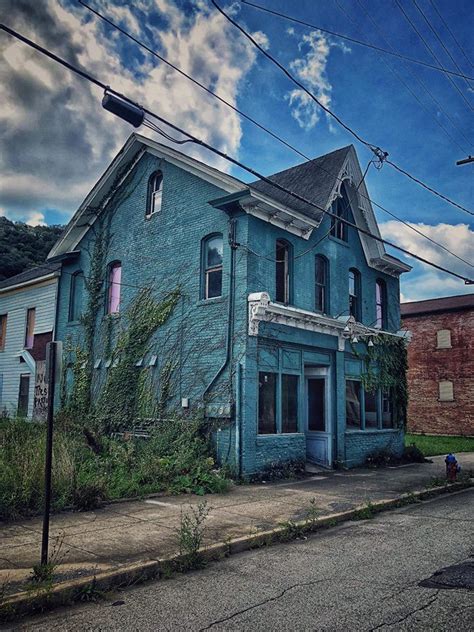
(49, 450)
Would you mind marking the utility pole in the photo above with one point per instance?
(465, 161)
(52, 349)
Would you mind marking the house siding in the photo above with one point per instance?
(15, 303)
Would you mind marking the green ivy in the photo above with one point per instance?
(386, 369)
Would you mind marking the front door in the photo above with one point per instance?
(318, 431)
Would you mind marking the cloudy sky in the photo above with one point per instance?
(55, 140)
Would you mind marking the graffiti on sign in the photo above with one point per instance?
(40, 404)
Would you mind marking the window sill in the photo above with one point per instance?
(338, 241)
(212, 301)
(73, 323)
(371, 430)
(279, 434)
(151, 215)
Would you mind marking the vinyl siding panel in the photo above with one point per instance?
(15, 304)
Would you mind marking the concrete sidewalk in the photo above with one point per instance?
(141, 530)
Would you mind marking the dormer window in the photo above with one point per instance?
(155, 194)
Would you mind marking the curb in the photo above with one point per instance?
(84, 588)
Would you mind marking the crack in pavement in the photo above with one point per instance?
(265, 601)
(430, 601)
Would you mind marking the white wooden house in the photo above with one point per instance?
(27, 315)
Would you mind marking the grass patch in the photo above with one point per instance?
(431, 445)
(176, 459)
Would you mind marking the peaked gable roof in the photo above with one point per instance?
(33, 275)
(314, 179)
(319, 179)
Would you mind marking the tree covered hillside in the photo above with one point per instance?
(22, 246)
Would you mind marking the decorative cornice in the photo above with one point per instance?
(261, 309)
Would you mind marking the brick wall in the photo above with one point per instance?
(429, 365)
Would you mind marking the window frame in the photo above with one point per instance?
(153, 193)
(356, 297)
(110, 283)
(3, 331)
(380, 396)
(321, 260)
(73, 290)
(278, 401)
(287, 262)
(206, 270)
(340, 207)
(30, 335)
(380, 301)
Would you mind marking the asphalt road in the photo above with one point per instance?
(359, 576)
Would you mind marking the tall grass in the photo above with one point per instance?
(175, 459)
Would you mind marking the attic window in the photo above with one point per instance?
(155, 194)
(340, 208)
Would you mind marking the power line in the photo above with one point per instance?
(451, 33)
(375, 149)
(291, 18)
(407, 85)
(435, 33)
(222, 154)
(259, 125)
(433, 54)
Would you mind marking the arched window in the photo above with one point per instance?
(380, 304)
(340, 208)
(155, 193)
(322, 284)
(76, 296)
(354, 293)
(113, 289)
(212, 253)
(283, 265)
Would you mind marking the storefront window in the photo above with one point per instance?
(266, 403)
(289, 403)
(353, 416)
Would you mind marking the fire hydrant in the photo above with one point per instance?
(452, 467)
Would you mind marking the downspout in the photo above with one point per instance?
(238, 421)
(228, 353)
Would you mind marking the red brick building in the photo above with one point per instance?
(441, 365)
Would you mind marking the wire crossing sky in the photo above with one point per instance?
(349, 79)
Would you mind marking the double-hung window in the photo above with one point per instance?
(354, 293)
(321, 284)
(114, 286)
(380, 304)
(212, 266)
(30, 328)
(155, 194)
(283, 266)
(340, 210)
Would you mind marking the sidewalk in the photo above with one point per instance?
(141, 530)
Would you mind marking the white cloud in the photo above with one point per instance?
(424, 281)
(56, 139)
(35, 218)
(311, 71)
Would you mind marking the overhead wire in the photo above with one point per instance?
(407, 86)
(451, 33)
(353, 40)
(374, 148)
(435, 33)
(432, 53)
(256, 123)
(224, 155)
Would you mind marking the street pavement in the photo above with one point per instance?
(362, 576)
(130, 532)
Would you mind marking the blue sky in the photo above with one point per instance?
(56, 140)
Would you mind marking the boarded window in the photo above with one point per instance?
(443, 339)
(76, 296)
(316, 405)
(352, 404)
(289, 403)
(30, 328)
(266, 403)
(371, 413)
(446, 391)
(23, 395)
(3, 331)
